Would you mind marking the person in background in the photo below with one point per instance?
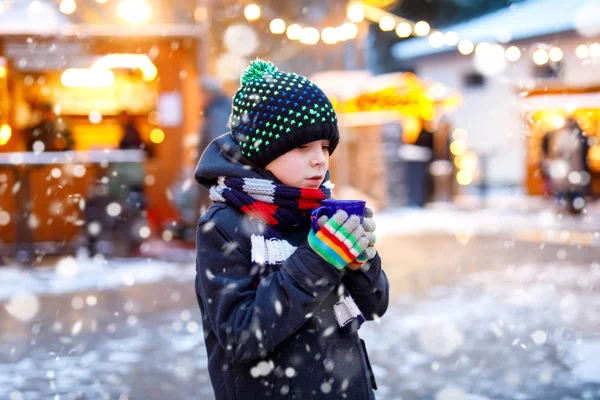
(126, 187)
(216, 109)
(131, 138)
(51, 131)
(569, 169)
(545, 163)
(128, 177)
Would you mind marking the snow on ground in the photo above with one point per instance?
(479, 222)
(72, 274)
(521, 332)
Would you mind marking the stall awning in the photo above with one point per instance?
(559, 97)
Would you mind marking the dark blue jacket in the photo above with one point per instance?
(273, 341)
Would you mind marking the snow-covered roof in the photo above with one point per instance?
(526, 20)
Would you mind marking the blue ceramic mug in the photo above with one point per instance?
(330, 207)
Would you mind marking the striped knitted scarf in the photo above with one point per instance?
(278, 206)
(274, 203)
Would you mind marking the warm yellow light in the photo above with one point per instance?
(5, 134)
(582, 51)
(340, 34)
(458, 147)
(595, 50)
(594, 154)
(157, 136)
(464, 177)
(87, 77)
(277, 26)
(310, 36)
(333, 100)
(346, 31)
(252, 12)
(140, 61)
(457, 160)
(482, 48)
(134, 11)
(387, 23)
(557, 121)
(437, 39)
(438, 90)
(149, 72)
(466, 47)
(200, 14)
(549, 120)
(422, 28)
(428, 113)
(555, 54)
(100, 1)
(459, 134)
(67, 6)
(513, 53)
(294, 32)
(403, 30)
(35, 7)
(411, 127)
(540, 57)
(451, 38)
(329, 35)
(356, 13)
(468, 161)
(2, 72)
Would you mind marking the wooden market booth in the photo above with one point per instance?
(377, 115)
(152, 72)
(545, 110)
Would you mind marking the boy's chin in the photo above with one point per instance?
(310, 185)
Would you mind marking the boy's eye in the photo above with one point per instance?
(326, 148)
(303, 147)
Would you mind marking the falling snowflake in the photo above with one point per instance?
(76, 328)
(23, 306)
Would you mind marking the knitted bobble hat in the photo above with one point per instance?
(275, 112)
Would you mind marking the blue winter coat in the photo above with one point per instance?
(280, 339)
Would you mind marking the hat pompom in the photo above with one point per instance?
(257, 70)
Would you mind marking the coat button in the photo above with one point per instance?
(328, 364)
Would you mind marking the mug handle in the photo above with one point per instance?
(316, 213)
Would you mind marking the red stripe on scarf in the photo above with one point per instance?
(338, 243)
(262, 211)
(310, 198)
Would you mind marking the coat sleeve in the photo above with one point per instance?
(369, 288)
(249, 320)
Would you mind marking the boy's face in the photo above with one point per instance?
(303, 167)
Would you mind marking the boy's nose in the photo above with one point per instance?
(318, 158)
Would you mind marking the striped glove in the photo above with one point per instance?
(369, 226)
(339, 240)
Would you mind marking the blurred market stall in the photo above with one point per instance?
(109, 76)
(396, 136)
(546, 110)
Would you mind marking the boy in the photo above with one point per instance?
(281, 304)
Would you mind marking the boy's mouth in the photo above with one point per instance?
(315, 180)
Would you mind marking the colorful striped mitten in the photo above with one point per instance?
(340, 240)
(369, 226)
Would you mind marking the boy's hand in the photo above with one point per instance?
(370, 252)
(339, 240)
